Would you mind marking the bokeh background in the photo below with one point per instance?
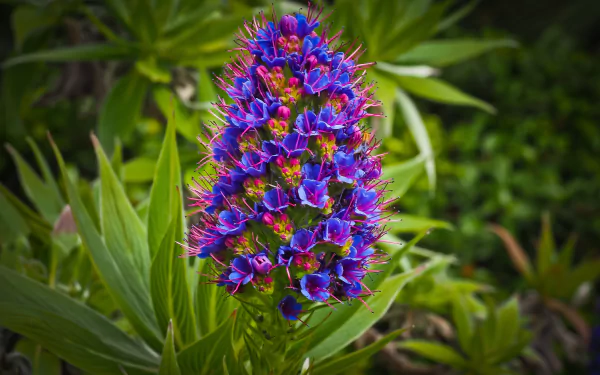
(492, 117)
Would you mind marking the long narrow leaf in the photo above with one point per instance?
(69, 329)
(168, 362)
(114, 264)
(415, 124)
(84, 52)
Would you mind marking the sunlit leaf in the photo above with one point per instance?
(440, 91)
(435, 351)
(347, 362)
(403, 175)
(404, 223)
(168, 362)
(415, 124)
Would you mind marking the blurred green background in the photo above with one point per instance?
(503, 124)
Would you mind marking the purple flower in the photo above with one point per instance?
(306, 123)
(261, 263)
(365, 202)
(231, 222)
(242, 271)
(297, 175)
(294, 144)
(313, 193)
(315, 287)
(289, 308)
(345, 167)
(328, 120)
(350, 270)
(275, 200)
(253, 164)
(337, 231)
(303, 240)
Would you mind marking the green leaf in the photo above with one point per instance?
(69, 329)
(403, 175)
(349, 322)
(507, 325)
(116, 261)
(121, 109)
(186, 123)
(140, 169)
(12, 224)
(42, 362)
(457, 15)
(42, 195)
(163, 195)
(168, 362)
(439, 91)
(205, 356)
(436, 352)
(46, 171)
(212, 307)
(409, 224)
(169, 285)
(447, 52)
(153, 71)
(588, 270)
(415, 124)
(546, 251)
(347, 362)
(37, 226)
(464, 323)
(82, 52)
(386, 93)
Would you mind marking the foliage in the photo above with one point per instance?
(486, 346)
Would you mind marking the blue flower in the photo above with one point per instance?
(294, 144)
(289, 308)
(315, 287)
(313, 193)
(306, 123)
(231, 222)
(303, 240)
(275, 200)
(242, 271)
(253, 164)
(337, 231)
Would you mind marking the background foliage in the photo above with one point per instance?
(489, 119)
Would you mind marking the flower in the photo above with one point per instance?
(295, 207)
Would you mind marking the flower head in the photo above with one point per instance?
(294, 209)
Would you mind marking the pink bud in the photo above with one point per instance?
(284, 217)
(311, 61)
(262, 71)
(268, 219)
(294, 82)
(283, 112)
(294, 162)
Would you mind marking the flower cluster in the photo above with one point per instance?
(295, 206)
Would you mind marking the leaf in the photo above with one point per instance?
(37, 226)
(163, 195)
(140, 169)
(169, 285)
(153, 71)
(464, 323)
(121, 109)
(386, 93)
(42, 362)
(168, 362)
(457, 15)
(442, 53)
(507, 325)
(409, 224)
(205, 356)
(82, 52)
(410, 71)
(171, 107)
(415, 124)
(515, 252)
(349, 322)
(436, 352)
(439, 91)
(403, 175)
(546, 250)
(116, 262)
(572, 316)
(587, 271)
(46, 172)
(12, 225)
(348, 361)
(42, 196)
(69, 329)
